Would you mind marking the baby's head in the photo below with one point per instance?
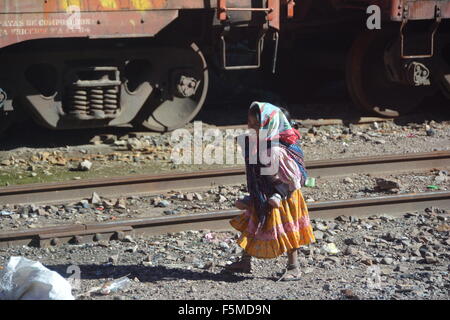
(286, 113)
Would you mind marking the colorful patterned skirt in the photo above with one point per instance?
(286, 228)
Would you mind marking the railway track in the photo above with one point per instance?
(81, 233)
(54, 193)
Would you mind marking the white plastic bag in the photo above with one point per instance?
(24, 279)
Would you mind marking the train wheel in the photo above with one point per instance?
(368, 83)
(443, 68)
(187, 89)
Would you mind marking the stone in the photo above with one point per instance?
(189, 196)
(120, 143)
(198, 196)
(103, 243)
(348, 180)
(108, 138)
(443, 227)
(375, 126)
(313, 131)
(321, 227)
(134, 144)
(171, 212)
(85, 165)
(318, 235)
(440, 179)
(431, 260)
(132, 249)
(181, 243)
(352, 241)
(121, 203)
(349, 294)
(163, 204)
(367, 261)
(308, 270)
(114, 259)
(431, 132)
(224, 246)
(330, 248)
(128, 239)
(42, 212)
(390, 236)
(221, 199)
(387, 260)
(342, 219)
(336, 260)
(351, 251)
(401, 268)
(33, 208)
(387, 185)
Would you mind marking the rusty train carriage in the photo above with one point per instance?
(94, 63)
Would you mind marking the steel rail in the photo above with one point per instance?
(387, 205)
(59, 192)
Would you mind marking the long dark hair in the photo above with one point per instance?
(255, 112)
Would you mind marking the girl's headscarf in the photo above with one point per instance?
(278, 131)
(275, 123)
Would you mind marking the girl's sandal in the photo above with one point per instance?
(239, 267)
(292, 273)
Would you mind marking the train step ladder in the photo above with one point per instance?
(222, 15)
(432, 32)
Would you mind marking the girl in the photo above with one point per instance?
(269, 231)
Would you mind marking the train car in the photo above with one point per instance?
(97, 63)
(396, 67)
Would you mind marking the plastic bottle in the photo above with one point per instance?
(116, 285)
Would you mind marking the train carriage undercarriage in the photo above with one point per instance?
(83, 64)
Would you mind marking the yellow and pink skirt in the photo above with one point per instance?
(287, 227)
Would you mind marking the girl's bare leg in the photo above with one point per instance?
(292, 271)
(293, 257)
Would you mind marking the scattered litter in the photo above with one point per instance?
(433, 187)
(115, 285)
(24, 279)
(209, 236)
(95, 199)
(310, 182)
(5, 213)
